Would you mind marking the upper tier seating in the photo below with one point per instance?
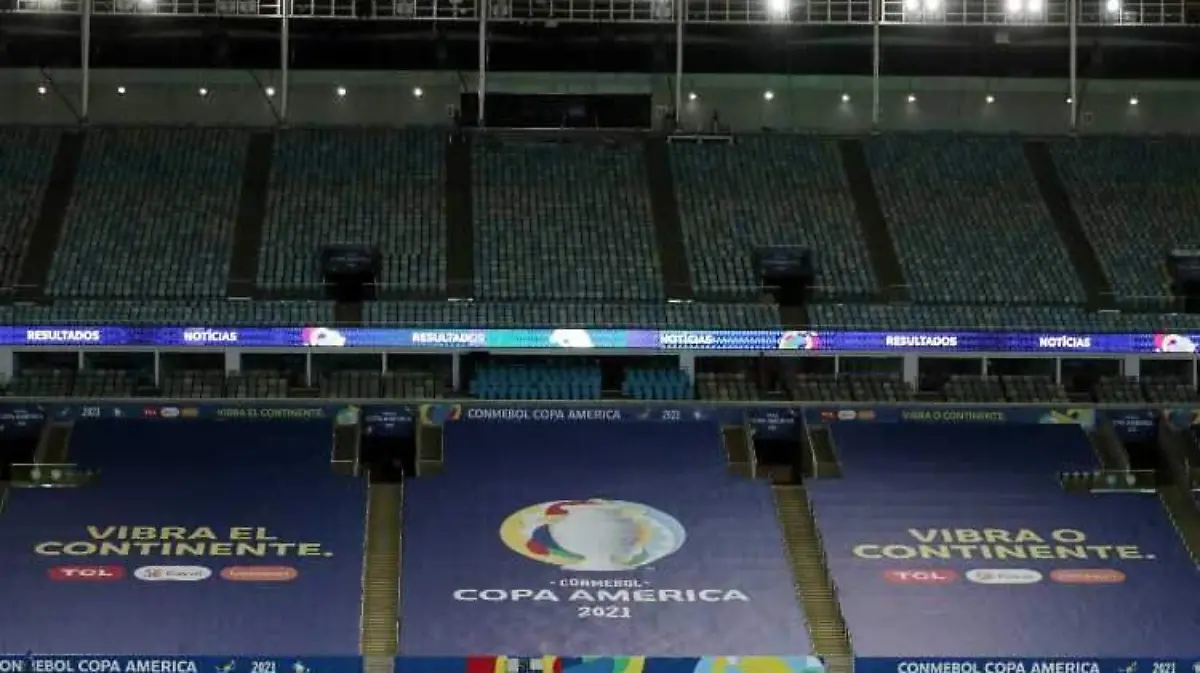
(377, 188)
(569, 221)
(768, 190)
(992, 317)
(26, 157)
(152, 214)
(198, 313)
(968, 221)
(1136, 199)
(571, 314)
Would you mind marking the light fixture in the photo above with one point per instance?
(120, 91)
(1035, 6)
(203, 92)
(932, 5)
(42, 90)
(692, 95)
(1133, 100)
(1070, 100)
(341, 92)
(912, 5)
(418, 92)
(1112, 6)
(845, 98)
(768, 95)
(912, 98)
(1014, 6)
(990, 99)
(270, 92)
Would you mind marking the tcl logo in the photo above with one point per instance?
(1087, 576)
(920, 576)
(86, 573)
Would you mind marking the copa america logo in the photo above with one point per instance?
(593, 535)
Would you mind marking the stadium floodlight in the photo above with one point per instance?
(203, 92)
(1112, 6)
(1034, 6)
(692, 95)
(912, 98)
(270, 92)
(42, 90)
(1134, 100)
(1014, 6)
(341, 92)
(120, 91)
(777, 9)
(418, 92)
(990, 99)
(845, 98)
(768, 95)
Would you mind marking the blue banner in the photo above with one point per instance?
(1026, 665)
(174, 663)
(949, 414)
(587, 339)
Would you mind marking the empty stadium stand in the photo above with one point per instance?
(524, 566)
(1135, 205)
(931, 521)
(26, 160)
(374, 188)
(239, 526)
(152, 215)
(768, 190)
(563, 221)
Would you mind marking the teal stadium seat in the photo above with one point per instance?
(656, 384)
(26, 158)
(1136, 200)
(152, 215)
(563, 221)
(536, 382)
(380, 188)
(573, 314)
(969, 223)
(768, 190)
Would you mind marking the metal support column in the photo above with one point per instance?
(680, 8)
(1073, 43)
(876, 19)
(85, 60)
(481, 84)
(285, 53)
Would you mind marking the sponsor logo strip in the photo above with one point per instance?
(259, 573)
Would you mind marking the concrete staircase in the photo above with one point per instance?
(381, 578)
(813, 585)
(1183, 513)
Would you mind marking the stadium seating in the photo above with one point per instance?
(668, 479)
(221, 475)
(196, 312)
(575, 314)
(968, 221)
(537, 382)
(376, 188)
(656, 384)
(991, 317)
(768, 190)
(563, 221)
(1136, 201)
(26, 157)
(910, 488)
(152, 215)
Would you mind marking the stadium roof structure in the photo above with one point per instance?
(1072, 40)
